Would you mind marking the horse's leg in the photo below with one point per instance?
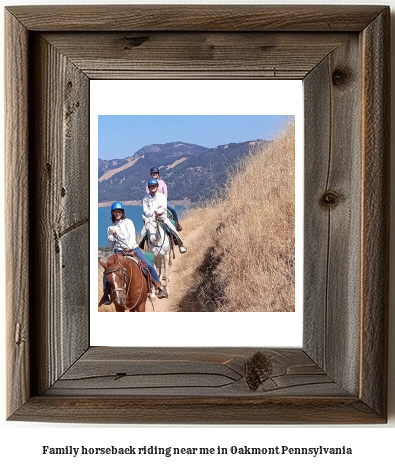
(119, 308)
(166, 269)
(167, 265)
(162, 274)
(158, 264)
(153, 294)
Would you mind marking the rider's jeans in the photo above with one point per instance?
(141, 256)
(151, 268)
(172, 209)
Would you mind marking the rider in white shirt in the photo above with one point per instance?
(155, 203)
(162, 188)
(122, 239)
(121, 234)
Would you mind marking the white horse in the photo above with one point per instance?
(159, 246)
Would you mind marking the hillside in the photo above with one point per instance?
(241, 244)
(107, 166)
(245, 260)
(190, 171)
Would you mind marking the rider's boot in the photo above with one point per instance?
(106, 299)
(162, 292)
(178, 227)
(179, 243)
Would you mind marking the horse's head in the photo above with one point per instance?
(116, 276)
(151, 225)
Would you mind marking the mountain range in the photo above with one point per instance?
(191, 172)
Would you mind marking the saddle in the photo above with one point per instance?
(132, 255)
(174, 240)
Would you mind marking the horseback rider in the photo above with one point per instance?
(155, 203)
(162, 188)
(122, 239)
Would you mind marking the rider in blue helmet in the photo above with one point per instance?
(155, 205)
(117, 205)
(162, 188)
(153, 182)
(122, 239)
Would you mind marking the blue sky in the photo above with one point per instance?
(121, 136)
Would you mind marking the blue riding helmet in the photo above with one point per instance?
(117, 205)
(152, 182)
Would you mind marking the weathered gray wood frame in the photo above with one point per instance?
(342, 54)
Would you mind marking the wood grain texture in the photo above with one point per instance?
(60, 171)
(339, 376)
(332, 214)
(375, 211)
(198, 410)
(188, 372)
(196, 17)
(17, 197)
(317, 113)
(123, 385)
(196, 55)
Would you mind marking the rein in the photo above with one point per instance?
(158, 235)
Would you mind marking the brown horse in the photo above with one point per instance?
(128, 284)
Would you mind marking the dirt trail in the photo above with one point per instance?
(166, 305)
(190, 239)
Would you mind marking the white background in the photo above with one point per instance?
(20, 443)
(197, 97)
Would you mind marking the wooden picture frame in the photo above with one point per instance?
(340, 374)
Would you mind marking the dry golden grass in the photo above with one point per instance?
(192, 273)
(244, 257)
(241, 246)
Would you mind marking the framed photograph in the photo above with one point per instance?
(339, 374)
(200, 134)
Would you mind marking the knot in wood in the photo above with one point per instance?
(339, 77)
(120, 375)
(259, 369)
(330, 198)
(135, 41)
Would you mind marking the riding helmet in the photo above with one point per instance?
(154, 170)
(117, 205)
(153, 182)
